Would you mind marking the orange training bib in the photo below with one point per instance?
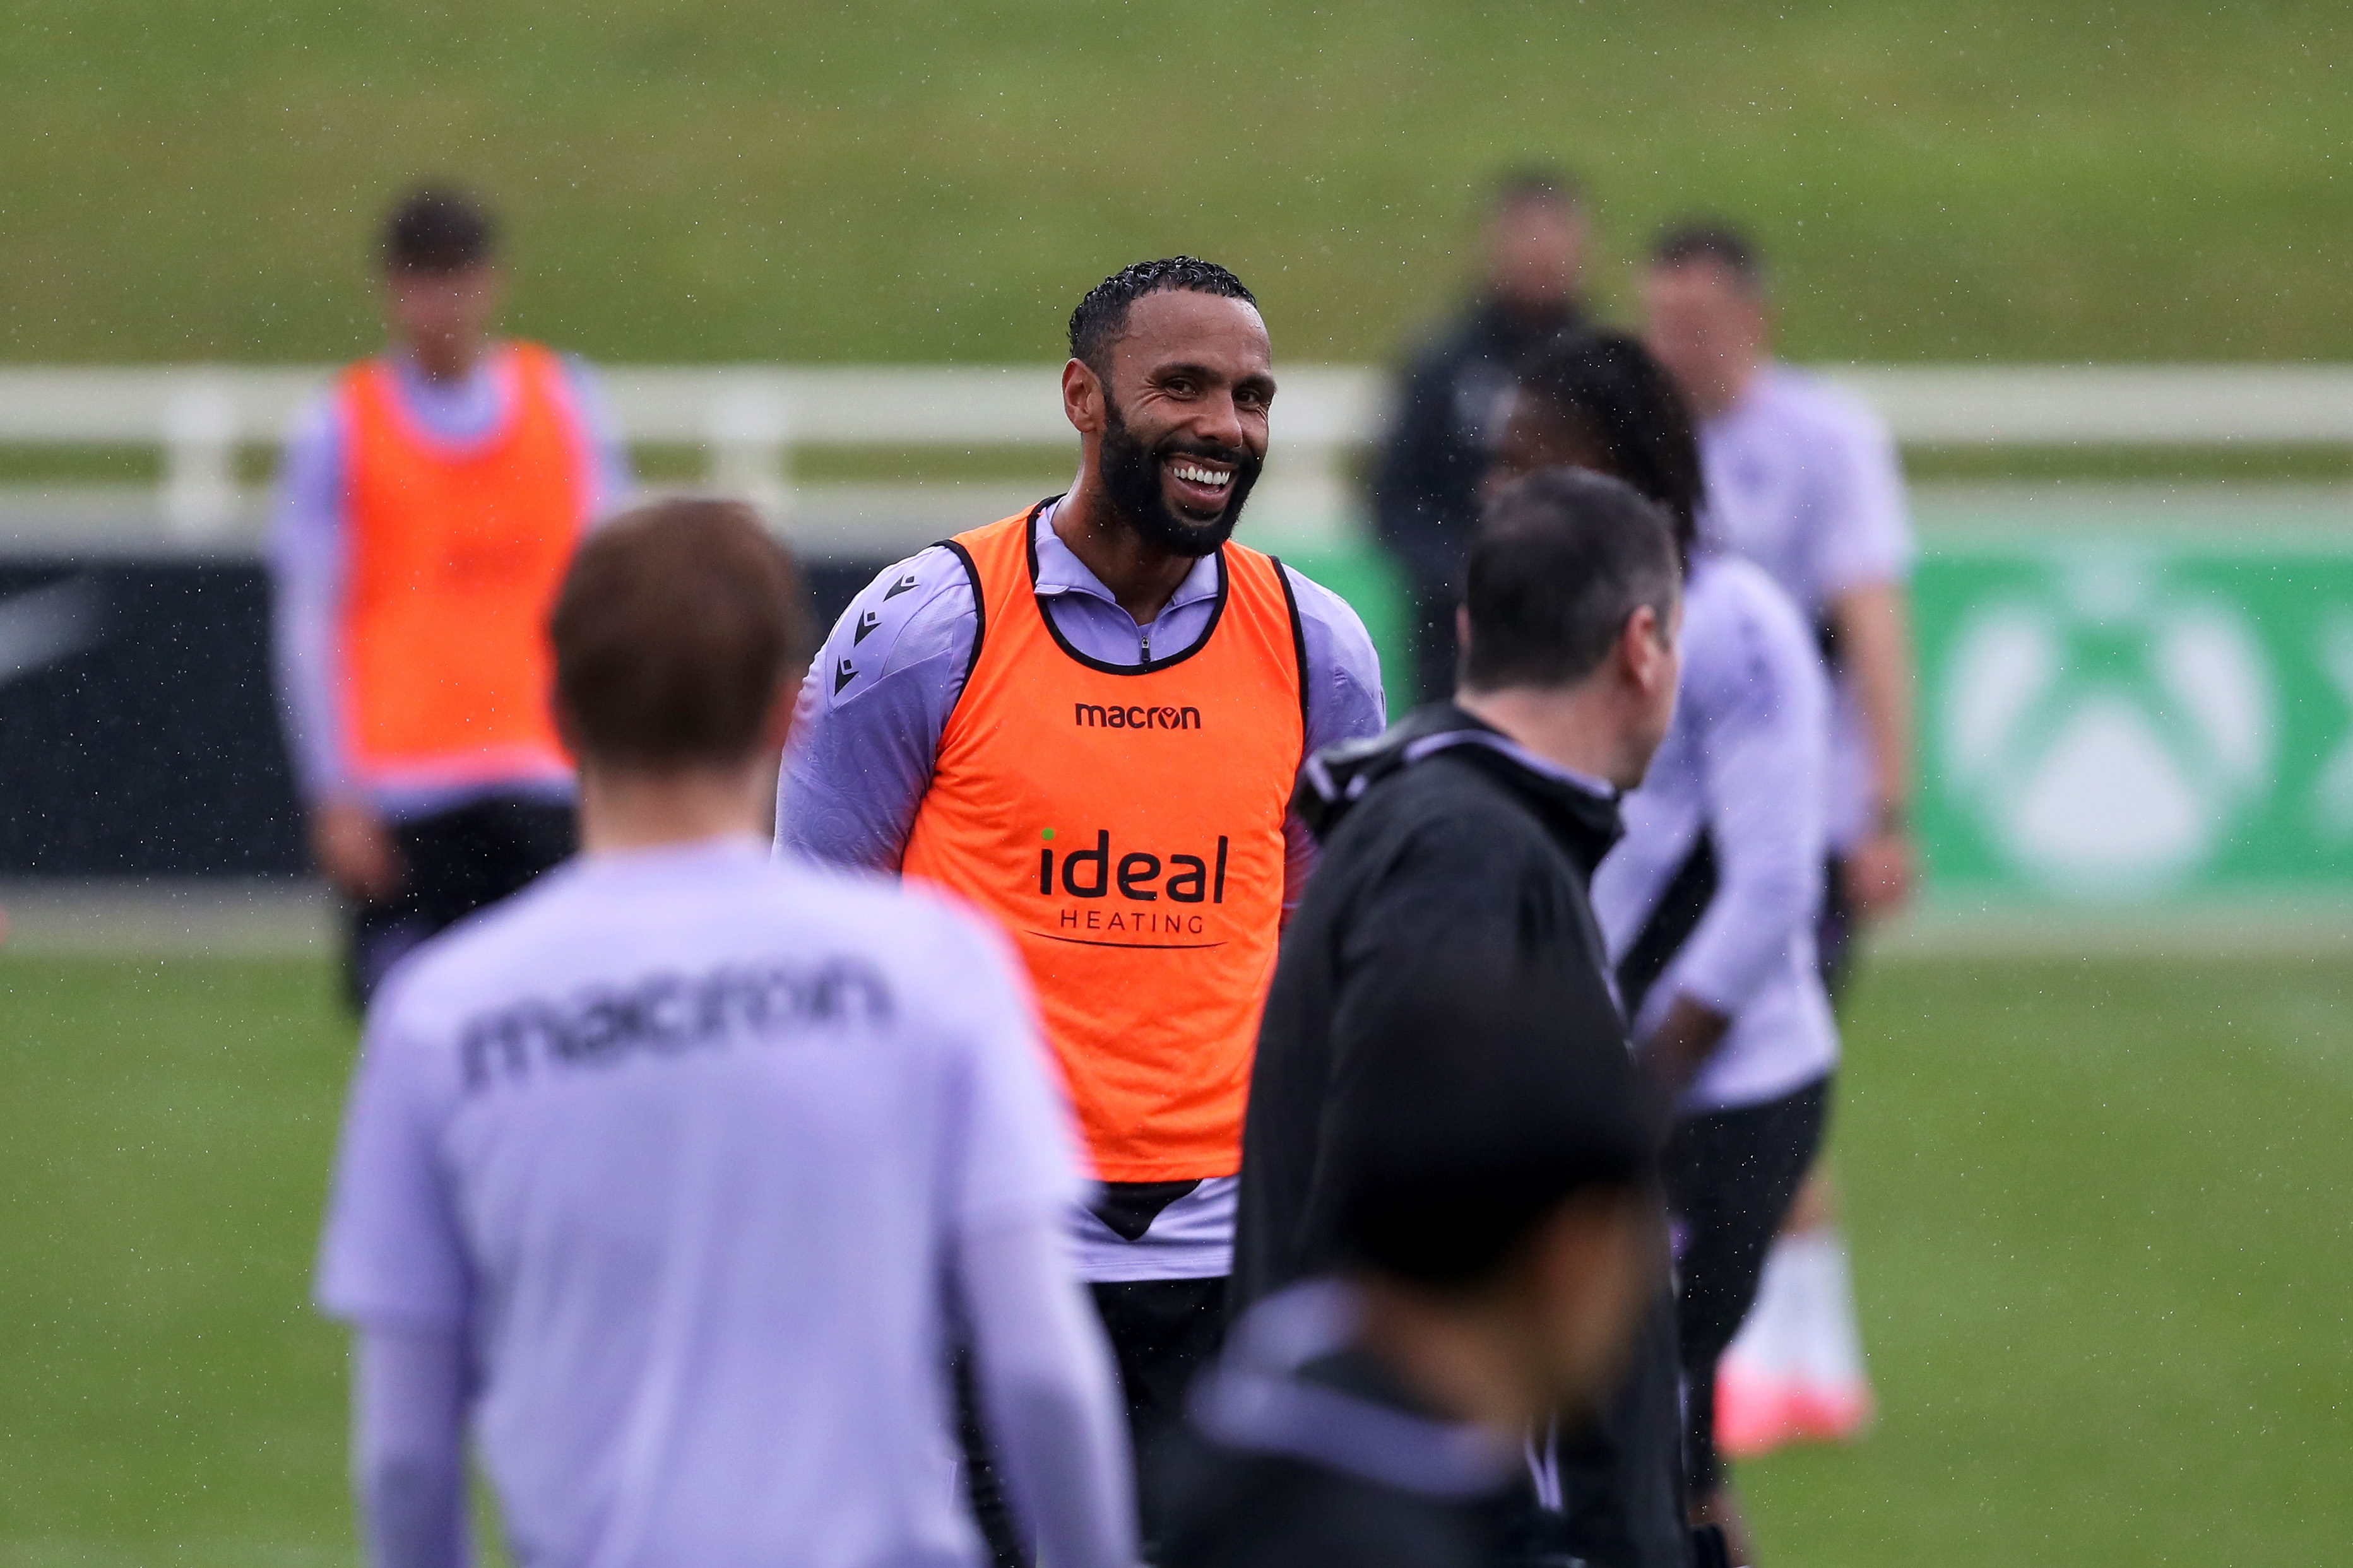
(1124, 823)
(456, 551)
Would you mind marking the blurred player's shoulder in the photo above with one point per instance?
(1802, 402)
(1728, 593)
(1745, 639)
(916, 609)
(1343, 630)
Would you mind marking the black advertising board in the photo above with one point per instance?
(139, 732)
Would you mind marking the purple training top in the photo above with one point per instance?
(678, 1140)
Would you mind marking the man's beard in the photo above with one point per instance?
(1131, 477)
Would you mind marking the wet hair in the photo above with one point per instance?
(1102, 316)
(1710, 239)
(1609, 383)
(437, 230)
(1493, 1093)
(677, 627)
(1562, 558)
(1536, 185)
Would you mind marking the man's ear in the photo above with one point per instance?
(1643, 649)
(1461, 631)
(1083, 397)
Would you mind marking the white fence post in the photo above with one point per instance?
(751, 447)
(200, 430)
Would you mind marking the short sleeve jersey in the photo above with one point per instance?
(680, 1139)
(1805, 481)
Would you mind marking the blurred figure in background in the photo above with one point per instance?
(1491, 1193)
(1806, 482)
(426, 508)
(1425, 499)
(1708, 904)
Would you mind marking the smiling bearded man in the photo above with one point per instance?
(1087, 720)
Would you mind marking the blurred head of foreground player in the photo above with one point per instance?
(680, 636)
(1493, 1202)
(1492, 1210)
(1704, 306)
(1168, 385)
(442, 284)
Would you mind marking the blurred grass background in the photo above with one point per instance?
(2099, 1211)
(695, 180)
(2099, 1208)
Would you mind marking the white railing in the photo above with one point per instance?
(750, 418)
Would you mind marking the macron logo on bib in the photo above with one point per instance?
(1111, 716)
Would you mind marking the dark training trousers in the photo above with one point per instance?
(1161, 1333)
(1731, 1176)
(453, 863)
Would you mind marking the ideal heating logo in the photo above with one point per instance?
(1124, 881)
(1111, 716)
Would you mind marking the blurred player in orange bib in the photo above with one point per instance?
(428, 506)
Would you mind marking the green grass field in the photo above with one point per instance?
(2099, 1211)
(693, 179)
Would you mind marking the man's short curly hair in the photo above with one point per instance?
(1102, 316)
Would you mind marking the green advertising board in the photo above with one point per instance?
(2116, 713)
(2120, 702)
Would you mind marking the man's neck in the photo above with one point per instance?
(1571, 728)
(448, 368)
(622, 811)
(1142, 576)
(1729, 389)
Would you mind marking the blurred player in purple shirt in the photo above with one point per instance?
(668, 1175)
(1806, 482)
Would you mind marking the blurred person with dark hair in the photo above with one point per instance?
(1473, 828)
(1708, 903)
(426, 506)
(666, 1177)
(1087, 719)
(1806, 481)
(1425, 492)
(1489, 1189)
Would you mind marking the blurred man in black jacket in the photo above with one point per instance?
(1463, 838)
(1493, 1194)
(1425, 489)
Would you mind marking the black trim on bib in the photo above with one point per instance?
(979, 619)
(1298, 649)
(1216, 611)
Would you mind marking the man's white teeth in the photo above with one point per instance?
(1215, 481)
